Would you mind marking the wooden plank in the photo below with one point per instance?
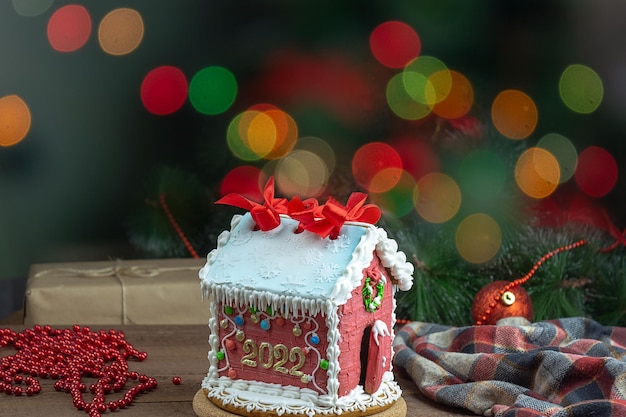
(172, 351)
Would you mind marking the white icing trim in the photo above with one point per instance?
(307, 338)
(393, 325)
(214, 341)
(235, 221)
(264, 397)
(332, 353)
(353, 273)
(243, 296)
(387, 251)
(380, 329)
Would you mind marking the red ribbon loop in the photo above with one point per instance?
(267, 215)
(358, 211)
(302, 211)
(335, 215)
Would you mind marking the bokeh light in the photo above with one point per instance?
(398, 200)
(164, 90)
(15, 120)
(478, 238)
(319, 147)
(563, 150)
(437, 197)
(121, 31)
(433, 83)
(244, 180)
(514, 114)
(419, 88)
(537, 173)
(418, 156)
(237, 136)
(301, 173)
(262, 131)
(483, 174)
(459, 99)
(31, 8)
(285, 133)
(212, 90)
(375, 158)
(399, 99)
(596, 172)
(330, 80)
(69, 28)
(385, 179)
(441, 82)
(581, 88)
(394, 44)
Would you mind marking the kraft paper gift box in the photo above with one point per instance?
(152, 291)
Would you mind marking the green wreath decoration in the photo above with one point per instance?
(370, 302)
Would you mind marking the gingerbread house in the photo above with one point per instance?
(301, 321)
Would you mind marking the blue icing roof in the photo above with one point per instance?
(284, 262)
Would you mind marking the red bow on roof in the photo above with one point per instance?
(267, 215)
(335, 215)
(304, 212)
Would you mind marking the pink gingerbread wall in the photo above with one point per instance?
(354, 319)
(273, 349)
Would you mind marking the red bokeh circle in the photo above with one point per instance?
(69, 28)
(394, 44)
(379, 163)
(596, 171)
(243, 180)
(164, 90)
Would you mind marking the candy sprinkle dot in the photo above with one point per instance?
(265, 324)
(176, 380)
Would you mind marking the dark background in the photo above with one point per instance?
(67, 190)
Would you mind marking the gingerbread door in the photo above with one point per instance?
(377, 361)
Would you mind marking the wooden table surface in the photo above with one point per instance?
(172, 351)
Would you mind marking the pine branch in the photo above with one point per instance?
(151, 228)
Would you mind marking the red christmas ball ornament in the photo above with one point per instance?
(506, 298)
(501, 299)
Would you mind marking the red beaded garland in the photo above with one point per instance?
(68, 355)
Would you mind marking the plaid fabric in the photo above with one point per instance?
(569, 367)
